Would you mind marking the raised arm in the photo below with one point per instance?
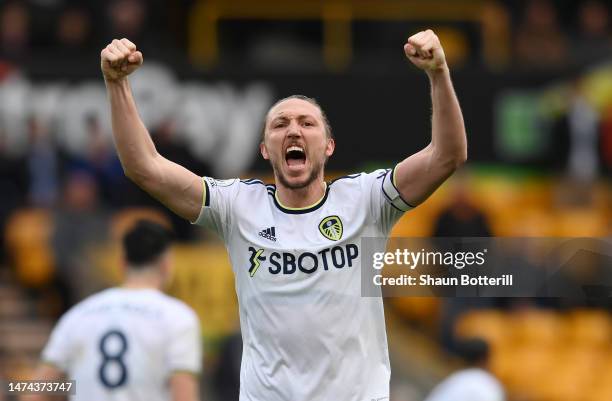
(176, 187)
(419, 175)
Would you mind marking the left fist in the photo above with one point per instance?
(425, 51)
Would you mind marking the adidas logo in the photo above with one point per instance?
(268, 233)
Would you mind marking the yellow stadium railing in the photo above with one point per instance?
(337, 17)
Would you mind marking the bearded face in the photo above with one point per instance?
(296, 143)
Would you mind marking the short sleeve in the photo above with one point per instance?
(59, 349)
(184, 353)
(386, 203)
(216, 212)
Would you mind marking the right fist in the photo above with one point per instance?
(119, 59)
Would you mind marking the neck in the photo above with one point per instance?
(147, 278)
(301, 197)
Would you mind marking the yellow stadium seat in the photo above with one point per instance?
(420, 309)
(491, 325)
(28, 233)
(593, 327)
(565, 383)
(581, 222)
(203, 278)
(539, 327)
(530, 367)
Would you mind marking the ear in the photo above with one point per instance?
(264, 151)
(331, 146)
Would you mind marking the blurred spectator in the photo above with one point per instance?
(540, 42)
(5, 69)
(13, 183)
(583, 124)
(74, 32)
(101, 162)
(14, 32)
(127, 17)
(606, 140)
(42, 165)
(593, 41)
(576, 138)
(462, 218)
(169, 146)
(79, 224)
(135, 20)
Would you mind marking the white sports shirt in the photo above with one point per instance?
(307, 332)
(468, 385)
(124, 344)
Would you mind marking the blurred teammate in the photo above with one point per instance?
(130, 343)
(295, 246)
(474, 383)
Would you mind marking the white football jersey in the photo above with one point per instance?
(307, 332)
(124, 344)
(468, 385)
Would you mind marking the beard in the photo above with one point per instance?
(314, 174)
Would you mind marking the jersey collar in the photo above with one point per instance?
(299, 210)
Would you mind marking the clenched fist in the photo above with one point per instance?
(119, 59)
(425, 51)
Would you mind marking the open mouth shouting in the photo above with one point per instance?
(295, 157)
